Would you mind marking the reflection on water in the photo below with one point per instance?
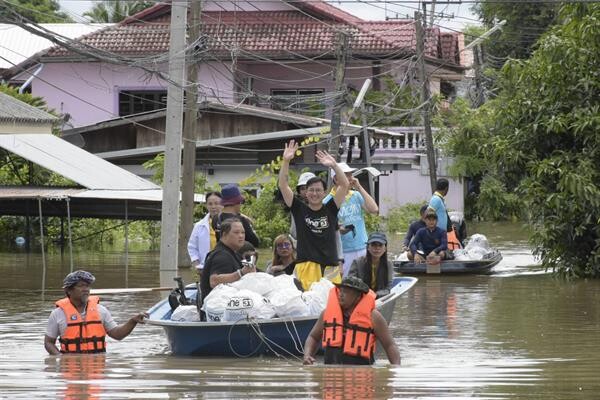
(506, 335)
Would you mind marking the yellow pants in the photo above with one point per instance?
(308, 272)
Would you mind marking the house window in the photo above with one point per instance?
(302, 101)
(139, 101)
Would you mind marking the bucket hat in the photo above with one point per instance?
(231, 195)
(354, 282)
(76, 276)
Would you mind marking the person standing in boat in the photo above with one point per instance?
(301, 192)
(203, 238)
(430, 241)
(438, 203)
(80, 323)
(232, 200)
(352, 229)
(374, 268)
(349, 327)
(315, 222)
(224, 264)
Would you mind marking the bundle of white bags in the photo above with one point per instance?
(263, 296)
(476, 249)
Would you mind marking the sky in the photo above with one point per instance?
(369, 11)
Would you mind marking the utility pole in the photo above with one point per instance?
(425, 97)
(189, 137)
(340, 73)
(172, 169)
(477, 63)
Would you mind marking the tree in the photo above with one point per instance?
(525, 23)
(39, 11)
(112, 11)
(539, 139)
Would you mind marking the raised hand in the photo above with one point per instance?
(290, 150)
(325, 159)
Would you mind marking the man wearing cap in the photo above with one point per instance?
(374, 268)
(301, 191)
(80, 323)
(349, 327)
(412, 230)
(315, 222)
(430, 241)
(351, 218)
(232, 200)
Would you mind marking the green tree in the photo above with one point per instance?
(39, 11)
(112, 11)
(539, 140)
(525, 23)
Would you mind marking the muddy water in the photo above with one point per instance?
(517, 333)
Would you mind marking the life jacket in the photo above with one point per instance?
(453, 242)
(82, 336)
(355, 338)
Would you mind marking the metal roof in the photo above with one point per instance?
(17, 44)
(86, 169)
(13, 110)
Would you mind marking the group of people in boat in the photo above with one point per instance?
(328, 239)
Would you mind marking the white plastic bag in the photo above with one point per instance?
(186, 313)
(289, 303)
(478, 240)
(216, 301)
(316, 297)
(258, 282)
(247, 304)
(282, 282)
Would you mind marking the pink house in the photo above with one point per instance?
(277, 54)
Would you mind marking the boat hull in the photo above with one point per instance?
(247, 338)
(451, 266)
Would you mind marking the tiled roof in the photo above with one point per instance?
(13, 110)
(449, 47)
(282, 34)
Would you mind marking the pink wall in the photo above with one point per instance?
(409, 186)
(89, 91)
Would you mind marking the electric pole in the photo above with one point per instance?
(340, 73)
(425, 98)
(173, 135)
(189, 136)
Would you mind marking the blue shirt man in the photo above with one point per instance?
(437, 203)
(431, 240)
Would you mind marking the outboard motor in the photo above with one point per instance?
(177, 295)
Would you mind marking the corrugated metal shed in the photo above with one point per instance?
(13, 111)
(73, 163)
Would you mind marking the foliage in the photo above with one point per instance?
(113, 11)
(399, 218)
(472, 32)
(39, 11)
(539, 142)
(525, 23)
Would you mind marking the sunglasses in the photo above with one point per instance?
(284, 245)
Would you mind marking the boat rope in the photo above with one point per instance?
(270, 343)
(231, 346)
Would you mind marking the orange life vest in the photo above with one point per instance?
(82, 336)
(356, 337)
(453, 243)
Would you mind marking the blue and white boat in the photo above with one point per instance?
(249, 337)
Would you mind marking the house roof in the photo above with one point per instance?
(17, 44)
(310, 30)
(16, 111)
(73, 163)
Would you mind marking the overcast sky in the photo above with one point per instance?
(370, 11)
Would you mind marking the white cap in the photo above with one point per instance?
(305, 177)
(345, 168)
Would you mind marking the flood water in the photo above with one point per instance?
(518, 333)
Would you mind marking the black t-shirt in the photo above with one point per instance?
(315, 231)
(221, 260)
(250, 234)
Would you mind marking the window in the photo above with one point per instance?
(302, 101)
(138, 101)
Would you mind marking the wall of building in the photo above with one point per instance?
(410, 186)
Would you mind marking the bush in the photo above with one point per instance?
(399, 218)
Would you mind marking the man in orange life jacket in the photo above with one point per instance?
(349, 327)
(80, 323)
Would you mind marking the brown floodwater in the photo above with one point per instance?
(518, 333)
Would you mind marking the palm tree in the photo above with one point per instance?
(112, 11)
